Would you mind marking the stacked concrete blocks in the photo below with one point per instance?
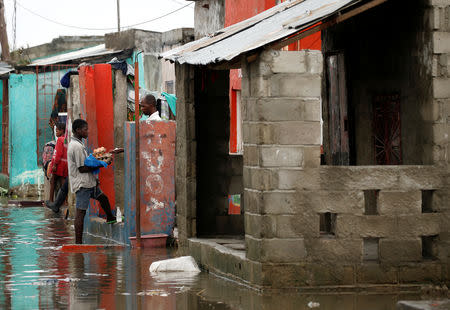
(282, 131)
(186, 149)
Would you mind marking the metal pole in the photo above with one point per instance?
(118, 15)
(138, 161)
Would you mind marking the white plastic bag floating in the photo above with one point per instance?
(179, 264)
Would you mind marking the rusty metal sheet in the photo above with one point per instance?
(270, 26)
(157, 146)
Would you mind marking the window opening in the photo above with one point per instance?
(328, 223)
(371, 249)
(371, 202)
(427, 201)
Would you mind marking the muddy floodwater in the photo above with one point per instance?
(36, 274)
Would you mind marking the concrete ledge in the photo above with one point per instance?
(97, 226)
(424, 305)
(224, 261)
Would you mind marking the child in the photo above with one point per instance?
(59, 161)
(82, 181)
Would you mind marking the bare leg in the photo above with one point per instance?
(104, 203)
(79, 221)
(52, 187)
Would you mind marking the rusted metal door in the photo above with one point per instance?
(5, 127)
(337, 110)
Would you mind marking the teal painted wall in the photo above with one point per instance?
(49, 83)
(141, 67)
(1, 115)
(23, 166)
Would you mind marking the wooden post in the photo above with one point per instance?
(3, 34)
(138, 161)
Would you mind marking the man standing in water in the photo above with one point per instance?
(82, 181)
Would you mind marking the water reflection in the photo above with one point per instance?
(36, 274)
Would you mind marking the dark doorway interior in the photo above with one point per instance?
(218, 173)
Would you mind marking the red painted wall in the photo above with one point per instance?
(96, 101)
(236, 11)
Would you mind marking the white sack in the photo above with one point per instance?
(179, 264)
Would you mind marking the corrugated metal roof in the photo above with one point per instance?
(5, 68)
(269, 26)
(97, 50)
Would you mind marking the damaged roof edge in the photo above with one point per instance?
(86, 53)
(272, 27)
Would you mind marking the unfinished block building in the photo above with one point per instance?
(345, 169)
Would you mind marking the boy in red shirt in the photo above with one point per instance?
(59, 161)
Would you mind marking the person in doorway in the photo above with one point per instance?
(150, 108)
(58, 165)
(82, 181)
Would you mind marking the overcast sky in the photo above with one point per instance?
(33, 30)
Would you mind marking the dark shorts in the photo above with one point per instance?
(83, 195)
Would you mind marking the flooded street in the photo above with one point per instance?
(36, 274)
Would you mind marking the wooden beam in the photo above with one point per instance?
(325, 25)
(3, 34)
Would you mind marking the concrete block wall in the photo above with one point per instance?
(287, 193)
(186, 149)
(440, 115)
(282, 131)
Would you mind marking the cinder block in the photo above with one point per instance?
(332, 250)
(251, 155)
(426, 224)
(314, 61)
(283, 276)
(390, 202)
(374, 273)
(253, 248)
(441, 42)
(283, 250)
(284, 109)
(305, 225)
(330, 274)
(440, 200)
(253, 201)
(421, 273)
(294, 85)
(441, 133)
(365, 226)
(311, 157)
(259, 87)
(306, 133)
(260, 179)
(281, 156)
(440, 87)
(400, 251)
(439, 3)
(341, 202)
(253, 224)
(290, 179)
(280, 202)
(288, 62)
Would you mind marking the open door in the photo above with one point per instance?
(337, 110)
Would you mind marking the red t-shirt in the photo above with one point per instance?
(60, 157)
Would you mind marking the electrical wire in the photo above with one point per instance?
(94, 29)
